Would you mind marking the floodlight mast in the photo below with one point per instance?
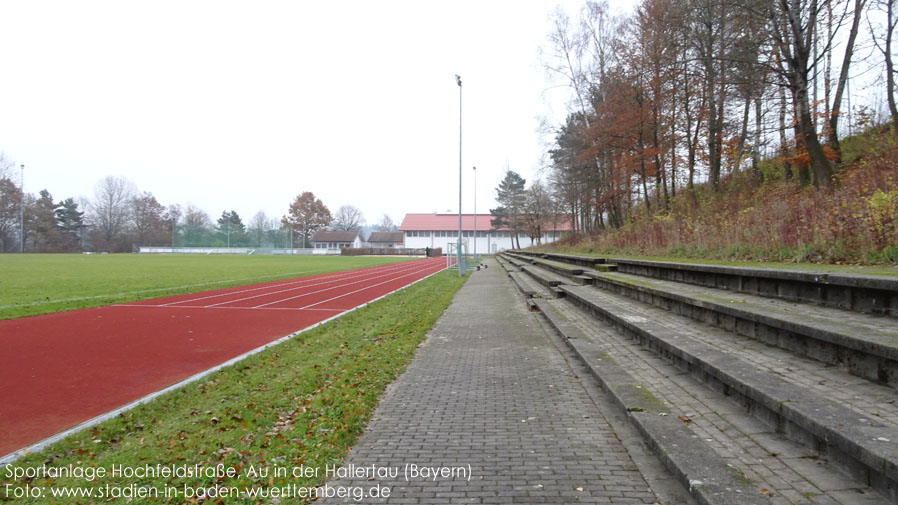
(461, 268)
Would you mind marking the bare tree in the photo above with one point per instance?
(537, 211)
(258, 228)
(843, 76)
(149, 220)
(10, 205)
(348, 218)
(110, 210)
(884, 44)
(197, 226)
(6, 166)
(793, 24)
(10, 208)
(172, 216)
(386, 224)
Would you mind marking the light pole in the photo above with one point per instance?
(22, 212)
(475, 213)
(461, 268)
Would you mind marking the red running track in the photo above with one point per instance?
(60, 370)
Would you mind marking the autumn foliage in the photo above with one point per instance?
(854, 221)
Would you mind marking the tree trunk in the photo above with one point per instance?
(713, 131)
(890, 67)
(756, 148)
(843, 80)
(743, 135)
(660, 174)
(784, 147)
(820, 167)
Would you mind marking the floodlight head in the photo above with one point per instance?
(458, 79)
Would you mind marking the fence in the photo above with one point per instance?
(235, 250)
(381, 251)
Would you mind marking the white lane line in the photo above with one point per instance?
(295, 282)
(205, 307)
(331, 288)
(221, 306)
(331, 281)
(368, 287)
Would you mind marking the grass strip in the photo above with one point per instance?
(299, 404)
(34, 284)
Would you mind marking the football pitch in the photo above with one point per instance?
(34, 284)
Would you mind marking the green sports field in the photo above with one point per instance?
(33, 284)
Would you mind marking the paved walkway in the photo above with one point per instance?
(490, 411)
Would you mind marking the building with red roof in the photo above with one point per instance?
(439, 230)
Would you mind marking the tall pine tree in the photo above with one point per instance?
(511, 197)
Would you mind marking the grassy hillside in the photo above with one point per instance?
(854, 222)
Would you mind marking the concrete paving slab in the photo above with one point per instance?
(489, 411)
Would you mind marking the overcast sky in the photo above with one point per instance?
(243, 105)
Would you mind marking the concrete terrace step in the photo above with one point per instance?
(520, 281)
(585, 261)
(704, 437)
(870, 400)
(856, 292)
(546, 277)
(707, 476)
(552, 273)
(504, 263)
(526, 284)
(865, 447)
(574, 269)
(864, 344)
(515, 262)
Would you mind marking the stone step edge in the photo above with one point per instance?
(567, 258)
(865, 347)
(856, 292)
(578, 273)
(555, 266)
(880, 282)
(525, 290)
(704, 473)
(870, 452)
(506, 265)
(517, 263)
(546, 277)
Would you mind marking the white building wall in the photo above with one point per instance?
(495, 242)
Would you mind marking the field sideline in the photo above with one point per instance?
(34, 284)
